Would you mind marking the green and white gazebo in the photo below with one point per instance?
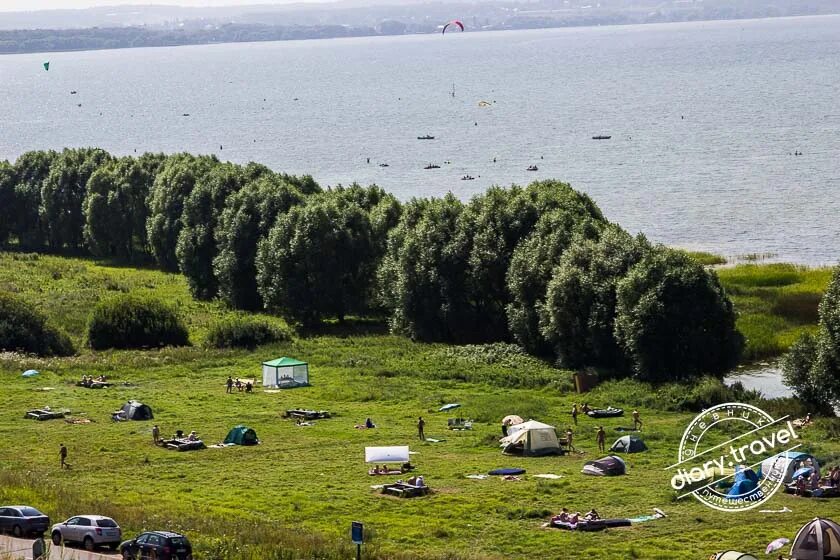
(285, 373)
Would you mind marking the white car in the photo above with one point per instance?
(88, 530)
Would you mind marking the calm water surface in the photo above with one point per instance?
(704, 118)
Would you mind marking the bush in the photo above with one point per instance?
(243, 331)
(134, 322)
(24, 329)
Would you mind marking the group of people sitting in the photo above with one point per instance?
(88, 380)
(240, 386)
(813, 482)
(574, 518)
(415, 481)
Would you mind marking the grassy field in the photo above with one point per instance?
(294, 495)
(776, 303)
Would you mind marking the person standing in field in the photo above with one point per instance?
(637, 421)
(155, 434)
(62, 454)
(420, 425)
(574, 413)
(569, 437)
(229, 384)
(601, 438)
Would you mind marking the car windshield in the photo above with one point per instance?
(106, 522)
(30, 512)
(179, 541)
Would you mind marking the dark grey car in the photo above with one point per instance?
(157, 545)
(23, 520)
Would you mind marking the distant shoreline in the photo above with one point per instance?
(168, 38)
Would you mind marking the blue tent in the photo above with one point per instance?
(746, 482)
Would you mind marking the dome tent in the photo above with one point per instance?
(628, 444)
(607, 466)
(531, 439)
(817, 540)
(242, 435)
(783, 465)
(135, 410)
(745, 483)
(734, 555)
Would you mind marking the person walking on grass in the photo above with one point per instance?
(601, 437)
(229, 384)
(637, 421)
(420, 425)
(574, 413)
(155, 434)
(62, 455)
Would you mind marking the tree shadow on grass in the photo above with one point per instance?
(352, 326)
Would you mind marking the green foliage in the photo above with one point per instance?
(129, 321)
(24, 329)
(243, 331)
(674, 320)
(812, 367)
(531, 267)
(115, 208)
(63, 193)
(32, 169)
(9, 206)
(196, 246)
(704, 258)
(318, 261)
(578, 317)
(247, 218)
(173, 184)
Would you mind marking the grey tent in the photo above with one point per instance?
(608, 466)
(628, 444)
(135, 410)
(817, 540)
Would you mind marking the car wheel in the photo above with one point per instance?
(114, 546)
(127, 555)
(17, 531)
(89, 546)
(56, 538)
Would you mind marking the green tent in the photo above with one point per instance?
(285, 372)
(242, 435)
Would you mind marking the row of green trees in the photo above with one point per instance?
(539, 265)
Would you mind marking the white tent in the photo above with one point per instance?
(394, 454)
(784, 464)
(817, 540)
(531, 438)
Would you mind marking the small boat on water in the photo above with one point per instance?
(432, 166)
(468, 178)
(383, 165)
(601, 137)
(533, 168)
(426, 137)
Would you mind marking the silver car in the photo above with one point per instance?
(89, 530)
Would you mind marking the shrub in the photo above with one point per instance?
(133, 322)
(24, 329)
(243, 331)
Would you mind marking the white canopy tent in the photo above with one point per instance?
(285, 373)
(393, 454)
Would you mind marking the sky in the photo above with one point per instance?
(32, 5)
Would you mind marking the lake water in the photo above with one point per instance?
(765, 377)
(704, 118)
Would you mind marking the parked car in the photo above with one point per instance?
(157, 545)
(23, 520)
(89, 530)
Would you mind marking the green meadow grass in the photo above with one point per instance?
(776, 303)
(295, 495)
